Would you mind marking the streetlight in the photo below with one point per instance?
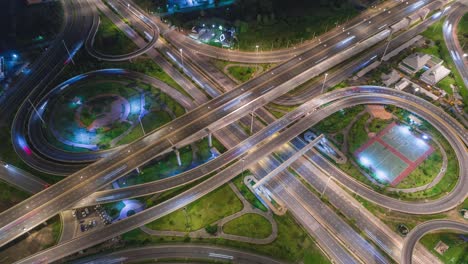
(324, 80)
(257, 48)
(142, 128)
(181, 57)
(243, 167)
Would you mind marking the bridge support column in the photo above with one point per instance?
(210, 140)
(179, 162)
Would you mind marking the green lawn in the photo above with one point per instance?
(458, 248)
(393, 218)
(462, 32)
(210, 208)
(111, 40)
(166, 166)
(357, 134)
(249, 196)
(425, 172)
(249, 225)
(10, 196)
(377, 125)
(241, 73)
(293, 243)
(8, 155)
(339, 120)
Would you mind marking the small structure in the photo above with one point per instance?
(76, 100)
(414, 63)
(441, 247)
(391, 78)
(402, 84)
(435, 74)
(415, 120)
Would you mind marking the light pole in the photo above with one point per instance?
(69, 55)
(256, 47)
(251, 123)
(35, 110)
(324, 80)
(243, 167)
(182, 57)
(326, 185)
(141, 124)
(388, 44)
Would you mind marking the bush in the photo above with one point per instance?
(211, 229)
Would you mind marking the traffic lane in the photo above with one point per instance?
(363, 25)
(348, 69)
(420, 230)
(181, 251)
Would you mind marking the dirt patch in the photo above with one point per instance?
(38, 239)
(378, 111)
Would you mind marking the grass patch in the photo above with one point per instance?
(458, 247)
(462, 32)
(249, 225)
(9, 196)
(9, 156)
(425, 172)
(339, 120)
(394, 218)
(210, 208)
(242, 73)
(248, 195)
(293, 244)
(357, 134)
(111, 40)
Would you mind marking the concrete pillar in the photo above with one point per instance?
(210, 140)
(178, 157)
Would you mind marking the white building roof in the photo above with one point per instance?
(435, 74)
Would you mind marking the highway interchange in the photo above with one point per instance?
(220, 112)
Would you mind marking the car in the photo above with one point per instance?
(4, 164)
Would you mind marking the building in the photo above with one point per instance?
(402, 84)
(435, 74)
(414, 63)
(415, 120)
(391, 78)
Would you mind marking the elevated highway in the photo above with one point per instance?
(355, 96)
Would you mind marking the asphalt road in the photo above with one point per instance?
(215, 114)
(203, 188)
(150, 28)
(191, 252)
(420, 230)
(453, 45)
(377, 16)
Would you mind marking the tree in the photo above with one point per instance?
(211, 229)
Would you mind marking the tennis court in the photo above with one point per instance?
(393, 153)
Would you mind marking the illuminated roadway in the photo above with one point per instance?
(119, 170)
(149, 26)
(395, 9)
(151, 214)
(312, 58)
(191, 251)
(450, 36)
(420, 230)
